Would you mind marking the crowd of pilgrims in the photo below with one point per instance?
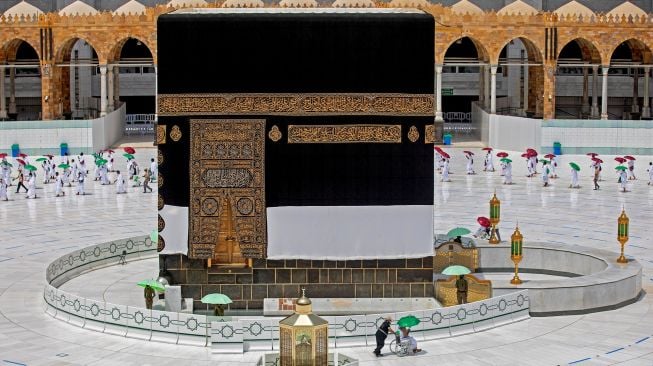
(71, 171)
(549, 166)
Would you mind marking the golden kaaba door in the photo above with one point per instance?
(227, 190)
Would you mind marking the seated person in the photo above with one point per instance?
(406, 337)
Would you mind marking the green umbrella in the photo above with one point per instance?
(96, 156)
(41, 159)
(7, 163)
(506, 160)
(155, 285)
(216, 299)
(408, 321)
(30, 167)
(621, 167)
(128, 156)
(458, 231)
(574, 166)
(544, 161)
(63, 166)
(456, 271)
(100, 162)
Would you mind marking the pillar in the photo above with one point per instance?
(493, 90)
(604, 93)
(525, 88)
(3, 101)
(12, 90)
(594, 111)
(116, 86)
(51, 93)
(585, 107)
(156, 94)
(549, 90)
(110, 89)
(481, 86)
(635, 107)
(486, 84)
(646, 109)
(438, 94)
(103, 91)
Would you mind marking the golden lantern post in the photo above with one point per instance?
(304, 336)
(516, 246)
(622, 234)
(495, 215)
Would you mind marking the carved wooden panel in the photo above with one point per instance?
(227, 163)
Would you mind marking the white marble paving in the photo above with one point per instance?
(34, 232)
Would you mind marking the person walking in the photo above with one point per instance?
(545, 173)
(31, 186)
(507, 173)
(623, 180)
(148, 292)
(461, 290)
(470, 163)
(381, 335)
(80, 183)
(574, 179)
(58, 185)
(650, 173)
(445, 171)
(21, 182)
(120, 183)
(631, 169)
(4, 195)
(153, 169)
(146, 181)
(597, 173)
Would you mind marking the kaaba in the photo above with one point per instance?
(295, 150)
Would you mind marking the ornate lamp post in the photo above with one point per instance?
(495, 215)
(622, 234)
(516, 245)
(303, 336)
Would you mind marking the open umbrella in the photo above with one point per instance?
(629, 157)
(22, 155)
(620, 160)
(155, 285)
(408, 321)
(29, 167)
(531, 151)
(621, 167)
(598, 160)
(100, 162)
(3, 155)
(129, 150)
(549, 156)
(502, 154)
(128, 156)
(6, 163)
(216, 299)
(483, 221)
(525, 155)
(445, 155)
(20, 161)
(41, 159)
(458, 231)
(63, 166)
(49, 156)
(544, 161)
(575, 167)
(468, 152)
(456, 270)
(438, 149)
(109, 151)
(592, 154)
(97, 156)
(506, 160)
(487, 149)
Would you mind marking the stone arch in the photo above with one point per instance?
(116, 49)
(589, 51)
(640, 51)
(10, 47)
(481, 51)
(63, 51)
(533, 52)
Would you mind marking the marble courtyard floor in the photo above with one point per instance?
(35, 232)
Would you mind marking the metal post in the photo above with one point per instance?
(438, 94)
(493, 91)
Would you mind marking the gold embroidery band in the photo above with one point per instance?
(307, 134)
(429, 134)
(295, 104)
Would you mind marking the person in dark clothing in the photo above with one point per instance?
(458, 239)
(21, 178)
(461, 290)
(381, 335)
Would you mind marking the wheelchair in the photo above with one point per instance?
(400, 348)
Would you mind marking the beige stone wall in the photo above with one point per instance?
(107, 33)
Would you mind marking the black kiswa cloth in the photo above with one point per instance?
(295, 51)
